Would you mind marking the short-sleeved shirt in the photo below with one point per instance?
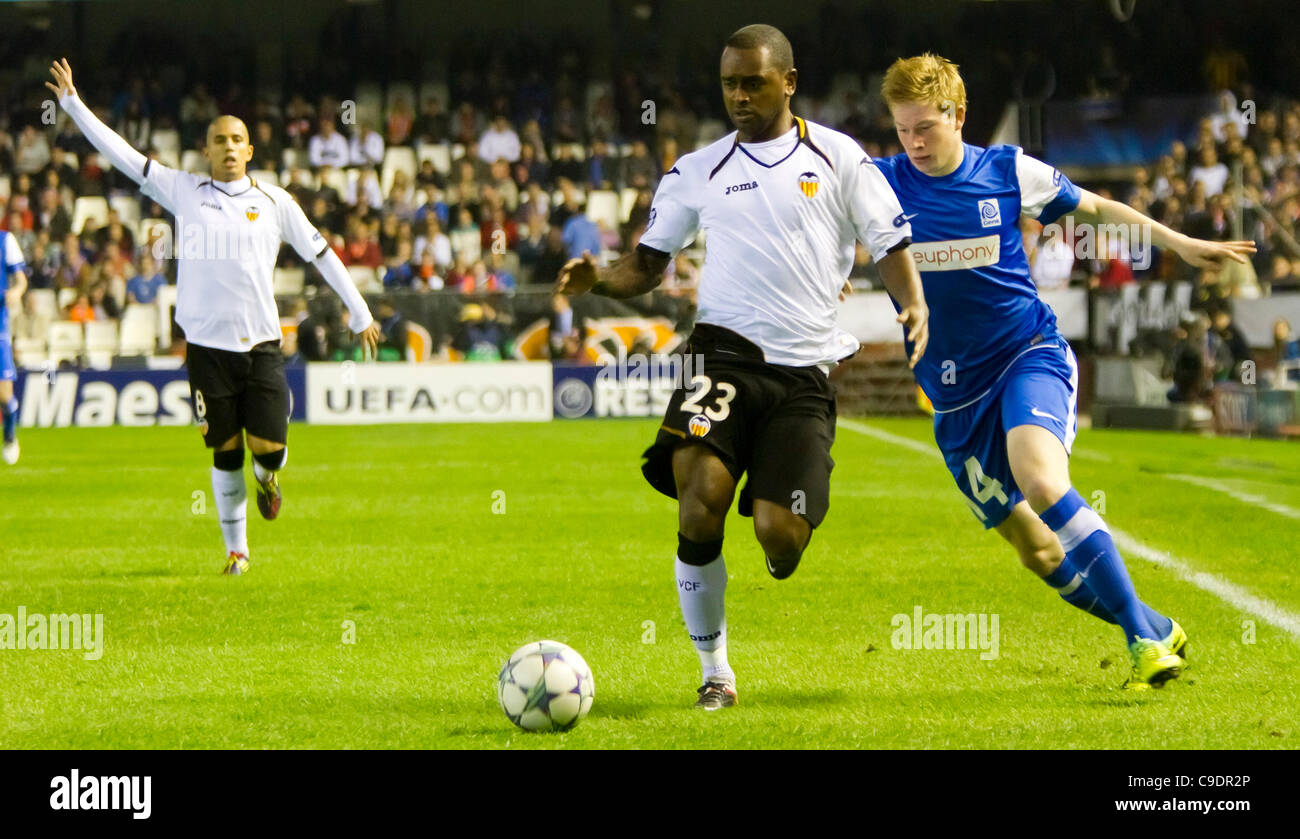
(966, 241)
(781, 218)
(226, 240)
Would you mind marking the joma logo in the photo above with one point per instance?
(741, 187)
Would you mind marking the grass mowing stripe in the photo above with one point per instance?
(1247, 497)
(1228, 592)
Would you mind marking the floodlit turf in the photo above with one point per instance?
(394, 530)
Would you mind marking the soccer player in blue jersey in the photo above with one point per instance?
(13, 282)
(1002, 379)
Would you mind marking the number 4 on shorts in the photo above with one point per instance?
(982, 487)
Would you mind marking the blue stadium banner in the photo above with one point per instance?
(633, 386)
(86, 398)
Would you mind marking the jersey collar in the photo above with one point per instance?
(803, 138)
(231, 188)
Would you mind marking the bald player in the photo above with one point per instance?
(229, 228)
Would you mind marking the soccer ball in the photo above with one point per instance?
(545, 686)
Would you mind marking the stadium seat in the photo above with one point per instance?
(439, 153)
(287, 280)
(369, 100)
(626, 201)
(336, 178)
(167, 141)
(89, 207)
(434, 88)
(602, 206)
(164, 305)
(419, 346)
(67, 296)
(128, 209)
(101, 337)
(30, 352)
(139, 330)
(46, 302)
(397, 158)
(366, 279)
(66, 341)
(194, 161)
(557, 197)
(595, 90)
(401, 89)
(295, 158)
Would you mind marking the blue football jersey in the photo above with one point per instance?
(11, 261)
(984, 308)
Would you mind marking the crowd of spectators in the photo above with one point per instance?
(510, 209)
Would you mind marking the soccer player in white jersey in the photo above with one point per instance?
(783, 202)
(1000, 375)
(229, 228)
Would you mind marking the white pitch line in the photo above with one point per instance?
(1230, 593)
(1247, 497)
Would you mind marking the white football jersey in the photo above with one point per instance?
(226, 240)
(781, 219)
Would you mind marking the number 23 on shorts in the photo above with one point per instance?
(721, 408)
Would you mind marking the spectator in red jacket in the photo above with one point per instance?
(359, 248)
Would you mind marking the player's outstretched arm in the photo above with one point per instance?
(360, 320)
(631, 275)
(1198, 252)
(903, 282)
(106, 141)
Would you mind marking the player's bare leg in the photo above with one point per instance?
(1090, 564)
(9, 413)
(232, 502)
(783, 533)
(268, 458)
(705, 489)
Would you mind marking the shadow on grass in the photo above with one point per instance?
(786, 698)
(171, 573)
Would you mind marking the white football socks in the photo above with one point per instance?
(232, 504)
(701, 590)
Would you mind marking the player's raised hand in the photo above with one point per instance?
(370, 341)
(916, 320)
(62, 73)
(1203, 254)
(577, 276)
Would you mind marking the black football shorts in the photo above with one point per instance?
(233, 391)
(774, 422)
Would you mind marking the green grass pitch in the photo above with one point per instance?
(449, 546)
